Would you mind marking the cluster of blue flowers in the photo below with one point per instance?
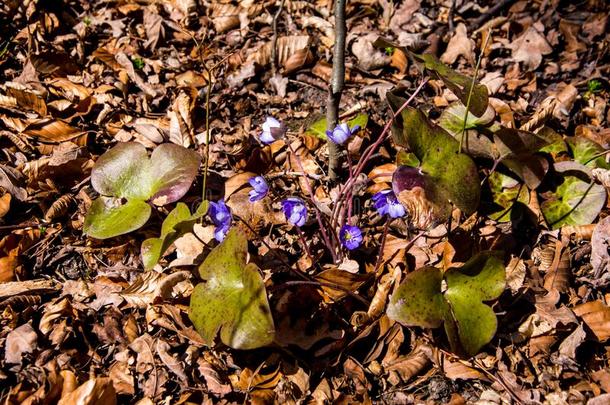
(294, 208)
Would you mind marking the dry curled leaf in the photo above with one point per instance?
(600, 246)
(596, 316)
(459, 45)
(97, 391)
(530, 47)
(18, 342)
(287, 48)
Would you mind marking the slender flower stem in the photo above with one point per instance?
(368, 153)
(327, 241)
(304, 243)
(350, 196)
(384, 235)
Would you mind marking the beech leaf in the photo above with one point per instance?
(232, 299)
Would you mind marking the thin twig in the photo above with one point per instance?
(274, 39)
(470, 91)
(492, 11)
(323, 284)
(336, 86)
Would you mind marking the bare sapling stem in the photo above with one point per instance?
(336, 87)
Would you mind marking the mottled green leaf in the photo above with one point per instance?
(469, 322)
(452, 119)
(587, 152)
(505, 193)
(404, 158)
(482, 278)
(555, 142)
(109, 217)
(574, 202)
(516, 150)
(231, 300)
(418, 300)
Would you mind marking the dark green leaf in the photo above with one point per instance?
(418, 300)
(482, 278)
(451, 177)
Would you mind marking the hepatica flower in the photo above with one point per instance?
(342, 133)
(260, 188)
(386, 203)
(295, 210)
(350, 236)
(272, 131)
(221, 216)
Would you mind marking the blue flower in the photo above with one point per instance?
(386, 203)
(272, 131)
(260, 188)
(295, 210)
(341, 133)
(221, 216)
(350, 236)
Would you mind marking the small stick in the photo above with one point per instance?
(274, 39)
(304, 243)
(336, 87)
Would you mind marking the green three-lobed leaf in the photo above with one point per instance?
(469, 322)
(232, 299)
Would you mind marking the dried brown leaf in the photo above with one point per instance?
(50, 130)
(97, 391)
(530, 47)
(18, 342)
(596, 315)
(286, 48)
(459, 45)
(150, 285)
(600, 246)
(348, 281)
(558, 274)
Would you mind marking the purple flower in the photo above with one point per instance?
(350, 236)
(295, 210)
(341, 133)
(272, 131)
(260, 188)
(386, 203)
(221, 216)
